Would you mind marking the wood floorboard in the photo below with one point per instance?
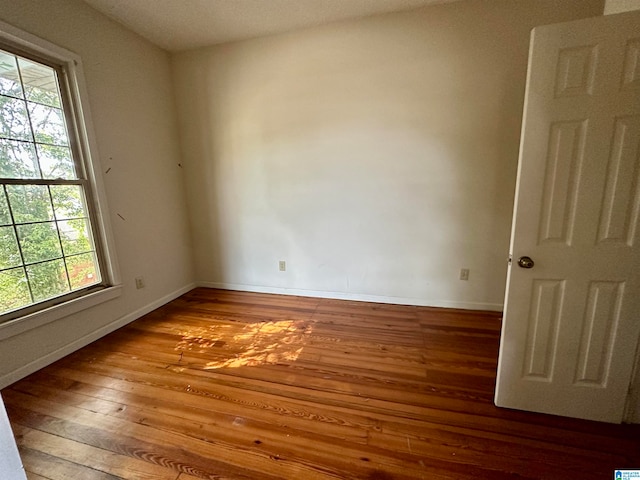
(96, 458)
(56, 468)
(235, 385)
(35, 476)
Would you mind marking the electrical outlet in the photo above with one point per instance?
(464, 274)
(139, 282)
(282, 266)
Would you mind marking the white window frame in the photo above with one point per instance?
(74, 83)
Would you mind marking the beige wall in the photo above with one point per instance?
(377, 157)
(619, 6)
(130, 93)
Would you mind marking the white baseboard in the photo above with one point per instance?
(12, 377)
(496, 307)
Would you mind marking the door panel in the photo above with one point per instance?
(572, 322)
(542, 337)
(563, 169)
(631, 77)
(598, 326)
(619, 216)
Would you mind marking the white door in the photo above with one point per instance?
(572, 321)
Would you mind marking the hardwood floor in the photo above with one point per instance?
(231, 385)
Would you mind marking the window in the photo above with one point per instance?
(51, 245)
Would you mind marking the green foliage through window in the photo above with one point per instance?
(46, 242)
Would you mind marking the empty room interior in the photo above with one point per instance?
(301, 219)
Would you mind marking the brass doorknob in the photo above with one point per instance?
(525, 262)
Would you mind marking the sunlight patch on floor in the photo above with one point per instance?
(262, 343)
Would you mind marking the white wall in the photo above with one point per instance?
(10, 463)
(134, 119)
(377, 157)
(619, 6)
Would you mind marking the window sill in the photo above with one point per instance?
(37, 319)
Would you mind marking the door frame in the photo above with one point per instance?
(632, 410)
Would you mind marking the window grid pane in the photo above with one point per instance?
(40, 83)
(82, 270)
(10, 84)
(5, 214)
(39, 242)
(15, 288)
(18, 159)
(48, 280)
(15, 120)
(9, 250)
(29, 203)
(47, 124)
(46, 243)
(55, 161)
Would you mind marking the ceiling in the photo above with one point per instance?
(184, 24)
